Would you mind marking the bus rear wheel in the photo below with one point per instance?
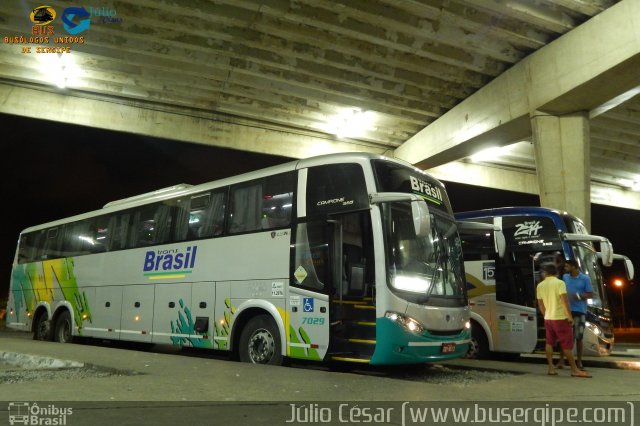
(63, 328)
(260, 342)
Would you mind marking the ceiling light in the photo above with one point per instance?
(350, 123)
(60, 69)
(487, 154)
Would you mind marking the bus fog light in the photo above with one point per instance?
(594, 328)
(408, 323)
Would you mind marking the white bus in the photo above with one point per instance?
(502, 287)
(348, 257)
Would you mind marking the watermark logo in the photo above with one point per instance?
(42, 15)
(76, 12)
(27, 413)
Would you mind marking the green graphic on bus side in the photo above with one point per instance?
(298, 352)
(185, 325)
(222, 330)
(33, 283)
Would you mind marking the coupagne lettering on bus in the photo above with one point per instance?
(424, 188)
(170, 259)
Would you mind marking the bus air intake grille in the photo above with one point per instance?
(445, 333)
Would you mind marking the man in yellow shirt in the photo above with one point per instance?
(558, 321)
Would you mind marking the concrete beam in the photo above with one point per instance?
(591, 64)
(511, 180)
(177, 124)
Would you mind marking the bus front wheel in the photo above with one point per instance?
(63, 328)
(479, 344)
(260, 342)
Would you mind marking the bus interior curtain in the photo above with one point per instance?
(214, 216)
(162, 223)
(247, 208)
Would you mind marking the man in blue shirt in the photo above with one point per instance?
(579, 289)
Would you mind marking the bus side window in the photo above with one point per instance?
(119, 229)
(262, 204)
(25, 248)
(336, 187)
(77, 238)
(200, 216)
(152, 225)
(51, 248)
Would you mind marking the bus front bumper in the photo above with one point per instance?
(397, 345)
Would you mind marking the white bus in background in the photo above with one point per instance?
(348, 257)
(502, 288)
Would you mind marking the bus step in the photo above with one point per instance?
(353, 345)
(354, 329)
(357, 359)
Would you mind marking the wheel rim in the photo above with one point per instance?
(42, 328)
(65, 332)
(261, 346)
(473, 351)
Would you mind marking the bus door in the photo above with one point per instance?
(353, 310)
(308, 317)
(515, 328)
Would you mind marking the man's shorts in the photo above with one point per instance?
(561, 331)
(579, 320)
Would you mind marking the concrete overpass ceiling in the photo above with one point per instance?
(615, 149)
(298, 67)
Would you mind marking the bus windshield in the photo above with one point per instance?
(588, 260)
(422, 268)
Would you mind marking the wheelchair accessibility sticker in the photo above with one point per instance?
(307, 305)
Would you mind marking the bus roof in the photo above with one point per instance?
(185, 189)
(556, 215)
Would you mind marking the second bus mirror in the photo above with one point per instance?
(628, 265)
(606, 249)
(421, 218)
(500, 243)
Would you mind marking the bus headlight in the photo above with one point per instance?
(594, 328)
(407, 322)
(410, 283)
(467, 325)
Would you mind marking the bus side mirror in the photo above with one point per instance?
(500, 243)
(421, 218)
(628, 265)
(606, 249)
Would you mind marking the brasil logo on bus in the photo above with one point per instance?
(164, 264)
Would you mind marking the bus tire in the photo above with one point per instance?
(63, 333)
(479, 344)
(260, 342)
(42, 329)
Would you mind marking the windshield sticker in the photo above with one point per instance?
(426, 190)
(300, 274)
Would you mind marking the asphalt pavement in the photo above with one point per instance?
(160, 385)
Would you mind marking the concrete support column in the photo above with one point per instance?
(562, 147)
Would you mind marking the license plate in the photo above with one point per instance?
(448, 348)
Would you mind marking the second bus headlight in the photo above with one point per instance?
(407, 322)
(594, 328)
